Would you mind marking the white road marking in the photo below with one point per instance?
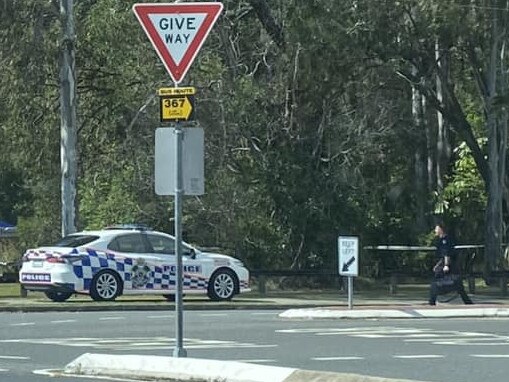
(111, 318)
(490, 355)
(394, 335)
(445, 337)
(468, 337)
(48, 372)
(138, 343)
(62, 321)
(464, 343)
(385, 333)
(4, 370)
(12, 357)
(24, 324)
(213, 315)
(162, 316)
(419, 356)
(326, 330)
(347, 358)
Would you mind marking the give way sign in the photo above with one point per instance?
(177, 31)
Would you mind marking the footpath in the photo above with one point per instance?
(409, 304)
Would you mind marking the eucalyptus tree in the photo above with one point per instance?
(480, 42)
(28, 51)
(310, 134)
(471, 38)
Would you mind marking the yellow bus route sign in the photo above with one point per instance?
(176, 104)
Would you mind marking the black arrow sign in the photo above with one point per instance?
(347, 264)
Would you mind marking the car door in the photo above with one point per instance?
(196, 271)
(162, 250)
(138, 259)
(163, 247)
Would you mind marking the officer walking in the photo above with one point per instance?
(446, 270)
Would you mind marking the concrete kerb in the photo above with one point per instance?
(200, 370)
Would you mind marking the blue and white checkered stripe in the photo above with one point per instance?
(159, 278)
(86, 268)
(164, 278)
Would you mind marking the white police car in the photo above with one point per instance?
(120, 261)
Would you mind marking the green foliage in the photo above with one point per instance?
(464, 199)
(12, 192)
(304, 140)
(108, 198)
(42, 226)
(9, 252)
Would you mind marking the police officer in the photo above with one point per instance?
(447, 270)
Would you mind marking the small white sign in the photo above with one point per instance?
(193, 173)
(348, 255)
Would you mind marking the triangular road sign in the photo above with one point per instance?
(177, 31)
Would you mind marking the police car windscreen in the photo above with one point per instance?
(76, 240)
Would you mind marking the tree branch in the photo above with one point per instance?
(268, 21)
(453, 113)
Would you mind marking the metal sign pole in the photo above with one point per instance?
(179, 350)
(350, 292)
(188, 14)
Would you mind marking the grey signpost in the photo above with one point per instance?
(348, 261)
(181, 149)
(177, 32)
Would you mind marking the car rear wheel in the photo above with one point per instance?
(222, 285)
(58, 296)
(106, 286)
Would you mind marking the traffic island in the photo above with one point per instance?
(200, 370)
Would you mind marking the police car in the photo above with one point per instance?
(123, 261)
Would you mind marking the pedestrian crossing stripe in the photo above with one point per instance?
(432, 336)
(138, 343)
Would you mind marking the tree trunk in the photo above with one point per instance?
(443, 145)
(68, 133)
(496, 123)
(420, 159)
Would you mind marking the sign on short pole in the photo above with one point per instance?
(348, 261)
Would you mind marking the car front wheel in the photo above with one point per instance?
(105, 286)
(222, 285)
(58, 296)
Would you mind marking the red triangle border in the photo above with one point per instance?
(212, 11)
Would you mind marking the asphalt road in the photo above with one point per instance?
(457, 350)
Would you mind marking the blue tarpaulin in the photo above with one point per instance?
(7, 229)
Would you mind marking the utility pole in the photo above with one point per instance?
(68, 133)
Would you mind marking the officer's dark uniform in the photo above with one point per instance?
(445, 282)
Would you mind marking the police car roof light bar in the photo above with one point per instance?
(130, 226)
